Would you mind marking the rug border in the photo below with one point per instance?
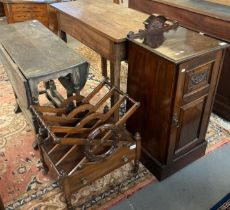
(127, 194)
(217, 146)
(221, 202)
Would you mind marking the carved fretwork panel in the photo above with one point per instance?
(197, 82)
(197, 78)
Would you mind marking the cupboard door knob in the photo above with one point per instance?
(175, 121)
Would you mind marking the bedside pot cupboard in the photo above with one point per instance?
(175, 84)
(209, 16)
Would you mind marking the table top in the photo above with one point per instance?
(183, 44)
(222, 2)
(110, 20)
(36, 50)
(205, 7)
(28, 1)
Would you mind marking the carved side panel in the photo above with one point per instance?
(197, 81)
(197, 78)
(195, 90)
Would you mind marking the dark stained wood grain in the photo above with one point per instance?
(181, 44)
(81, 152)
(176, 97)
(189, 16)
(2, 13)
(202, 16)
(222, 100)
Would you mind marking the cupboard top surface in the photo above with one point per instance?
(36, 50)
(182, 44)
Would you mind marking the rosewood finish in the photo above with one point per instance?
(175, 84)
(209, 16)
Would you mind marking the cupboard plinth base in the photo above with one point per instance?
(163, 171)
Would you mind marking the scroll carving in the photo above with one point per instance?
(153, 34)
(197, 78)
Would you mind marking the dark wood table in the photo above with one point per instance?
(203, 16)
(102, 26)
(32, 54)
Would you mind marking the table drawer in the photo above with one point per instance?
(29, 8)
(23, 16)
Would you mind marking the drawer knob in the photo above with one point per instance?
(125, 159)
(84, 181)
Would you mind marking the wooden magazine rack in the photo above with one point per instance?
(88, 142)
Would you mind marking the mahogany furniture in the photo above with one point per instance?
(206, 16)
(32, 54)
(2, 13)
(22, 10)
(175, 84)
(86, 143)
(102, 26)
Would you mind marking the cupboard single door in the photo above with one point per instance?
(193, 102)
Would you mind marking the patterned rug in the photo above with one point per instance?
(22, 185)
(223, 204)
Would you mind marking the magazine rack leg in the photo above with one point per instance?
(40, 139)
(137, 138)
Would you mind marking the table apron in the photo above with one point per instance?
(102, 45)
